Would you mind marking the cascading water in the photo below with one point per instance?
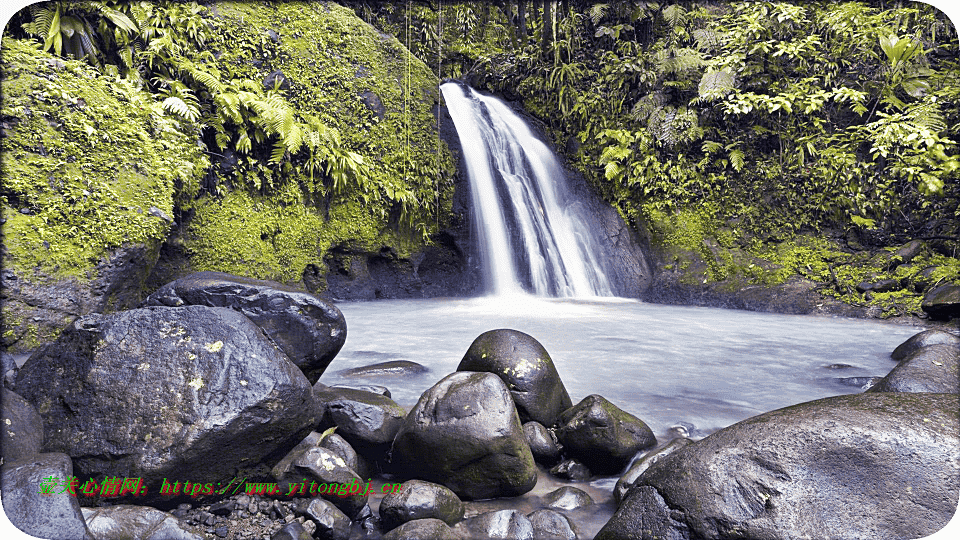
(533, 237)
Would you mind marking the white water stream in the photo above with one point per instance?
(532, 234)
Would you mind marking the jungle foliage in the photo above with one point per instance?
(262, 138)
(786, 116)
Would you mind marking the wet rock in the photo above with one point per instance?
(158, 393)
(873, 465)
(526, 368)
(879, 286)
(420, 529)
(542, 442)
(8, 370)
(125, 521)
(292, 531)
(602, 436)
(276, 79)
(468, 426)
(639, 466)
(571, 469)
(417, 499)
(908, 251)
(930, 369)
(342, 448)
(942, 302)
(551, 525)
(368, 421)
(332, 524)
(310, 331)
(507, 524)
(567, 498)
(392, 368)
(322, 466)
(372, 388)
(863, 383)
(373, 102)
(21, 435)
(56, 515)
(924, 339)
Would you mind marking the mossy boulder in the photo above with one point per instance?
(90, 168)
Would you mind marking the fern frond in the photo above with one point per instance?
(181, 108)
(716, 84)
(675, 15)
(597, 12)
(736, 159)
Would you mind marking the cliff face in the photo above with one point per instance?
(330, 65)
(90, 166)
(110, 190)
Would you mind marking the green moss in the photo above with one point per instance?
(277, 237)
(332, 60)
(84, 160)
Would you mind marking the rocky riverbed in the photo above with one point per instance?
(213, 380)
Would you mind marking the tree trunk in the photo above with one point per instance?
(547, 34)
(522, 19)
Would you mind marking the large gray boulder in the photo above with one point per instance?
(194, 393)
(125, 521)
(310, 331)
(603, 436)
(464, 433)
(499, 524)
(53, 515)
(417, 499)
(21, 434)
(526, 368)
(943, 302)
(924, 339)
(368, 421)
(930, 369)
(882, 466)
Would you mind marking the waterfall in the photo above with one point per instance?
(533, 236)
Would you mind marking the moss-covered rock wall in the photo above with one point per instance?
(90, 167)
(381, 100)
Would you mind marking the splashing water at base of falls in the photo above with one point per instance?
(533, 236)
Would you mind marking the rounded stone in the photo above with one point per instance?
(527, 370)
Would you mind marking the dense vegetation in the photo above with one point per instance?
(744, 131)
(300, 115)
(751, 141)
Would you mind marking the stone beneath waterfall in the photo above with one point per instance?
(464, 433)
(368, 421)
(933, 368)
(552, 525)
(510, 524)
(420, 529)
(193, 393)
(567, 498)
(854, 466)
(55, 515)
(320, 465)
(526, 368)
(640, 466)
(602, 436)
(417, 499)
(924, 339)
(542, 442)
(310, 331)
